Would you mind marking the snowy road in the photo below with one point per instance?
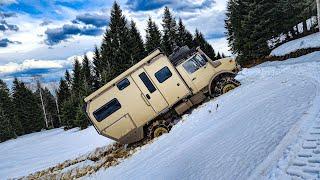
(238, 135)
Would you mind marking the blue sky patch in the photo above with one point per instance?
(146, 5)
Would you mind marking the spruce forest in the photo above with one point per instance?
(254, 28)
(21, 110)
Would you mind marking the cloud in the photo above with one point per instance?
(45, 23)
(146, 5)
(50, 71)
(94, 19)
(56, 35)
(7, 15)
(5, 42)
(180, 5)
(4, 26)
(30, 65)
(7, 2)
(37, 65)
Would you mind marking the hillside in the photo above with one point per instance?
(241, 134)
(311, 41)
(268, 128)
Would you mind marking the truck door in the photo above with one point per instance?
(199, 71)
(149, 91)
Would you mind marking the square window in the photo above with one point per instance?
(163, 74)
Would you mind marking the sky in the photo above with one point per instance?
(43, 37)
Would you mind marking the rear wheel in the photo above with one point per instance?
(224, 85)
(157, 128)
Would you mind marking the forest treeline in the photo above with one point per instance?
(254, 27)
(22, 111)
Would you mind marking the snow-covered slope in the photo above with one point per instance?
(239, 135)
(312, 40)
(268, 128)
(38, 151)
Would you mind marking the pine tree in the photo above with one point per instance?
(6, 131)
(219, 56)
(69, 111)
(81, 119)
(250, 25)
(169, 39)
(27, 110)
(88, 78)
(67, 77)
(9, 127)
(77, 86)
(115, 45)
(63, 94)
(137, 49)
(184, 37)
(153, 36)
(199, 40)
(97, 68)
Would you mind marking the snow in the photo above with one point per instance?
(38, 151)
(245, 134)
(310, 41)
(268, 128)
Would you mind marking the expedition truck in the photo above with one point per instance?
(145, 100)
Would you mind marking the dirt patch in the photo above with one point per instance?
(103, 157)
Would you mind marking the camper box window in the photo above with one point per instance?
(146, 81)
(107, 109)
(123, 84)
(163, 74)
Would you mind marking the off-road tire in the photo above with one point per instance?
(157, 128)
(223, 85)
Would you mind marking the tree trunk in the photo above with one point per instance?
(318, 9)
(305, 27)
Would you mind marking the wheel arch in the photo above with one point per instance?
(217, 77)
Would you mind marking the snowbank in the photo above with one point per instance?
(38, 151)
(229, 137)
(310, 41)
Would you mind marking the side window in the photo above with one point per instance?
(107, 109)
(163, 74)
(146, 81)
(190, 66)
(123, 84)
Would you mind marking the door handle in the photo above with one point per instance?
(194, 79)
(148, 96)
(145, 100)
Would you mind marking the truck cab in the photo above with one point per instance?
(198, 70)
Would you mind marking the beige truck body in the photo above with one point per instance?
(150, 89)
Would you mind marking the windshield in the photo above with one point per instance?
(194, 63)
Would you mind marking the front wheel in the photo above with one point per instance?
(157, 128)
(224, 85)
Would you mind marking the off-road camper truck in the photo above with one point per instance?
(144, 100)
